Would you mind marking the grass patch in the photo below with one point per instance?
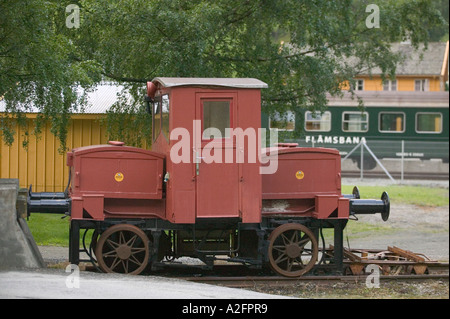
(356, 229)
(51, 230)
(413, 195)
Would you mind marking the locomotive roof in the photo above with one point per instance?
(241, 83)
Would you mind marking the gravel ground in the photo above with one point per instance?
(419, 229)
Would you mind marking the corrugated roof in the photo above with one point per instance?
(99, 101)
(428, 62)
(242, 83)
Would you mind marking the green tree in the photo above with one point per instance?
(133, 41)
(36, 68)
(440, 33)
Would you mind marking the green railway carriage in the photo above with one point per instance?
(413, 125)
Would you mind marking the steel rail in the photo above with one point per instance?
(225, 275)
(278, 281)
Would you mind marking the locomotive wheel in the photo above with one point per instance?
(293, 250)
(123, 249)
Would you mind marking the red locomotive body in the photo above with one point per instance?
(307, 183)
(115, 181)
(200, 191)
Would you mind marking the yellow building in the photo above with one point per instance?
(41, 165)
(416, 73)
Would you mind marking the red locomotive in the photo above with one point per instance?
(207, 189)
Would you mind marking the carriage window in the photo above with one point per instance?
(156, 118)
(165, 115)
(216, 118)
(429, 123)
(392, 122)
(355, 122)
(316, 121)
(284, 122)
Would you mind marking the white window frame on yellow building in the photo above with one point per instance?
(390, 85)
(424, 85)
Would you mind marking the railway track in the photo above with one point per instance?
(278, 281)
(393, 264)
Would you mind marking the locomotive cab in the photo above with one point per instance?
(208, 131)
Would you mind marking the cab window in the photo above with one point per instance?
(216, 119)
(156, 117)
(165, 115)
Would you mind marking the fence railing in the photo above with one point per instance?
(362, 145)
(397, 158)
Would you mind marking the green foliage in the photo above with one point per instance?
(37, 71)
(440, 33)
(43, 63)
(129, 121)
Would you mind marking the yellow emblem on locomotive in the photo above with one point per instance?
(300, 175)
(118, 177)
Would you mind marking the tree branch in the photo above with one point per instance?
(125, 79)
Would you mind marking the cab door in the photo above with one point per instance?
(215, 167)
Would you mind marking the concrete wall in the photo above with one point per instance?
(17, 246)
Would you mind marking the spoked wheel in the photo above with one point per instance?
(293, 250)
(123, 249)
